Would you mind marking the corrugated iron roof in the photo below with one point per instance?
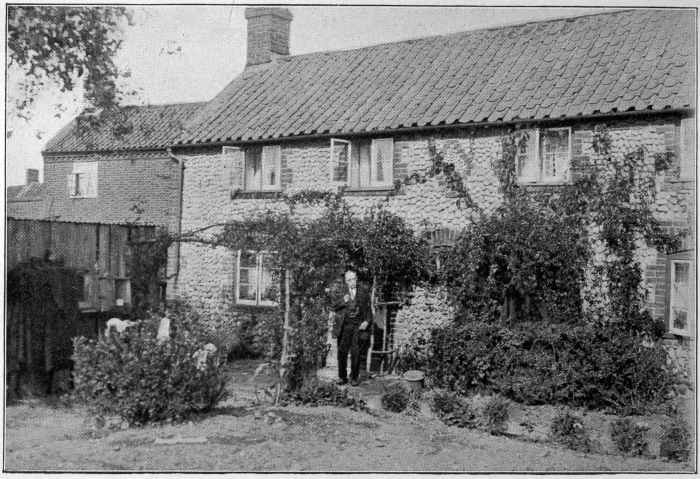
(639, 59)
(130, 127)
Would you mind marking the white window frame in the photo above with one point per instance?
(84, 173)
(540, 180)
(258, 301)
(389, 179)
(688, 331)
(333, 161)
(261, 186)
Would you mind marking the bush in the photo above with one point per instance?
(533, 363)
(396, 398)
(141, 380)
(314, 392)
(452, 410)
(675, 440)
(629, 437)
(496, 415)
(568, 430)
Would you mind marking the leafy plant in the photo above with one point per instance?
(496, 413)
(568, 430)
(629, 437)
(675, 440)
(452, 410)
(318, 393)
(141, 379)
(396, 398)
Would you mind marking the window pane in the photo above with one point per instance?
(382, 160)
(269, 281)
(340, 161)
(680, 319)
(248, 259)
(555, 153)
(681, 288)
(270, 166)
(253, 167)
(528, 164)
(247, 284)
(365, 161)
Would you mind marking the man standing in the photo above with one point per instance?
(353, 318)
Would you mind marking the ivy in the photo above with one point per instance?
(439, 166)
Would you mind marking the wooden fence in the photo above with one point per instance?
(101, 252)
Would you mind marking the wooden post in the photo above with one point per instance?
(284, 358)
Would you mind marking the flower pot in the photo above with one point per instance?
(414, 380)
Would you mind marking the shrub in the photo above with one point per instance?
(395, 399)
(452, 410)
(134, 376)
(587, 365)
(568, 430)
(496, 415)
(629, 437)
(675, 440)
(314, 392)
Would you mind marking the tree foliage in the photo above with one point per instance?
(66, 46)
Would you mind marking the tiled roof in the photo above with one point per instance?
(639, 59)
(135, 127)
(31, 192)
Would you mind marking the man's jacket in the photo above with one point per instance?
(344, 316)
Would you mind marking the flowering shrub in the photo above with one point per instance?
(496, 413)
(141, 379)
(675, 440)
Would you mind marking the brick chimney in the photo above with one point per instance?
(268, 34)
(32, 176)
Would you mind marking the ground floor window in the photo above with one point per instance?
(680, 300)
(257, 282)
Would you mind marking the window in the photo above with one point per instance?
(680, 300)
(546, 157)
(262, 168)
(257, 283)
(82, 182)
(363, 163)
(687, 159)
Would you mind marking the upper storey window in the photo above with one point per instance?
(363, 164)
(546, 158)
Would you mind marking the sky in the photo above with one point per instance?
(211, 41)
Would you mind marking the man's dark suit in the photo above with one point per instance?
(349, 316)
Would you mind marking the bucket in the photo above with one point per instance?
(414, 378)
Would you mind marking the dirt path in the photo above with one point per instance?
(42, 438)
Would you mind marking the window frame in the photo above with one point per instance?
(373, 149)
(541, 180)
(261, 186)
(258, 301)
(688, 331)
(84, 174)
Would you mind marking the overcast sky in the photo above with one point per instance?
(212, 42)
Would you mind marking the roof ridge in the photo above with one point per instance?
(463, 32)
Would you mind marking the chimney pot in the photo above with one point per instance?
(268, 34)
(32, 176)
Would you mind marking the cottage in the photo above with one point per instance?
(361, 119)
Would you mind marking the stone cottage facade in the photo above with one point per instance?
(359, 120)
